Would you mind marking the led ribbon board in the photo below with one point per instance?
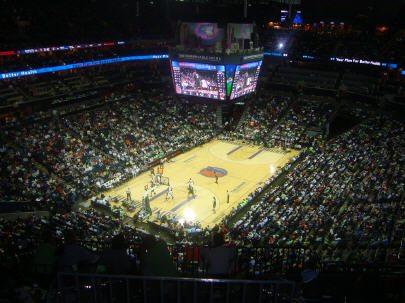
(58, 68)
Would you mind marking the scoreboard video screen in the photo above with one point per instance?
(245, 79)
(199, 79)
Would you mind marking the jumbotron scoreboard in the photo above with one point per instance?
(227, 79)
(223, 74)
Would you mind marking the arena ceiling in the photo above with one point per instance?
(293, 2)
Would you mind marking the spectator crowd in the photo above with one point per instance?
(342, 195)
(339, 200)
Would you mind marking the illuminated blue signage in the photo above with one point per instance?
(58, 68)
(275, 54)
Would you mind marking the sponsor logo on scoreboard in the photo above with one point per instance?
(253, 57)
(200, 57)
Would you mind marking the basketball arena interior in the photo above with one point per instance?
(202, 151)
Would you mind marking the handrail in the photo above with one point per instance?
(79, 287)
(184, 279)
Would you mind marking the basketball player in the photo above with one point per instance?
(248, 80)
(184, 84)
(128, 194)
(197, 81)
(152, 188)
(169, 193)
(204, 84)
(191, 188)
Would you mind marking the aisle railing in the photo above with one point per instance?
(75, 287)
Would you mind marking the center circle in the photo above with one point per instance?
(211, 172)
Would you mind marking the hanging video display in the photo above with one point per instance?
(199, 79)
(245, 80)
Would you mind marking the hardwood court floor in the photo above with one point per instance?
(246, 168)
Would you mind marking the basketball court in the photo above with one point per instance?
(240, 170)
